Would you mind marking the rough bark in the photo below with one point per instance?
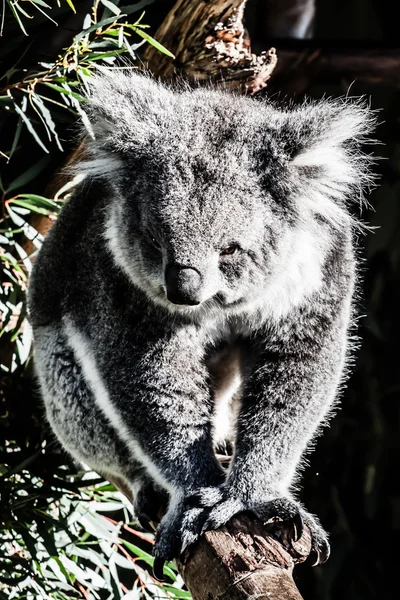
(209, 42)
(244, 560)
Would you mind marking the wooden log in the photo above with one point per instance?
(244, 559)
(210, 43)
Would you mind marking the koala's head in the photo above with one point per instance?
(216, 198)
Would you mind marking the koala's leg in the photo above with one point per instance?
(71, 411)
(288, 393)
(154, 389)
(150, 503)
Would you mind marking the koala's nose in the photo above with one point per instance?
(183, 284)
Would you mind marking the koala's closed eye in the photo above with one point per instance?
(151, 239)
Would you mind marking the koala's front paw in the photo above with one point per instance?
(149, 504)
(295, 516)
(182, 526)
(288, 511)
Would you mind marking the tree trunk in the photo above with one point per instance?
(210, 43)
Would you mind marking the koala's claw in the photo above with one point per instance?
(285, 510)
(166, 547)
(211, 508)
(320, 548)
(181, 527)
(158, 569)
(320, 555)
(288, 511)
(298, 527)
(146, 524)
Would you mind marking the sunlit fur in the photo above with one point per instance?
(174, 175)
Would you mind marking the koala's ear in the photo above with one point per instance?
(125, 109)
(324, 142)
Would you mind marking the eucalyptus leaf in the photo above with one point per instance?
(67, 92)
(71, 5)
(46, 114)
(153, 42)
(101, 23)
(30, 127)
(111, 6)
(28, 175)
(131, 8)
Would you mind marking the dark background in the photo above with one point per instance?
(352, 479)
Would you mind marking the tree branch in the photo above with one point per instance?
(209, 42)
(244, 560)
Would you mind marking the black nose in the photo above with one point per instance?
(183, 284)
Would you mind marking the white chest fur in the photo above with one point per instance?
(227, 377)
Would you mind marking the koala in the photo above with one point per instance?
(196, 292)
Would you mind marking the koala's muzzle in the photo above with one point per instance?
(183, 284)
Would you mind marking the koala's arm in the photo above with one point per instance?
(287, 395)
(289, 391)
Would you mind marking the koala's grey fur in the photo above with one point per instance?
(139, 386)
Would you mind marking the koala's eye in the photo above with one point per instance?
(153, 241)
(229, 250)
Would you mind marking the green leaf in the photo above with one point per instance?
(111, 6)
(94, 57)
(120, 37)
(22, 11)
(153, 42)
(69, 2)
(176, 591)
(28, 175)
(135, 7)
(17, 134)
(115, 582)
(29, 126)
(62, 90)
(98, 25)
(145, 556)
(16, 15)
(30, 541)
(37, 204)
(41, 3)
(129, 49)
(46, 114)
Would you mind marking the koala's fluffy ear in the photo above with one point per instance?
(324, 141)
(125, 110)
